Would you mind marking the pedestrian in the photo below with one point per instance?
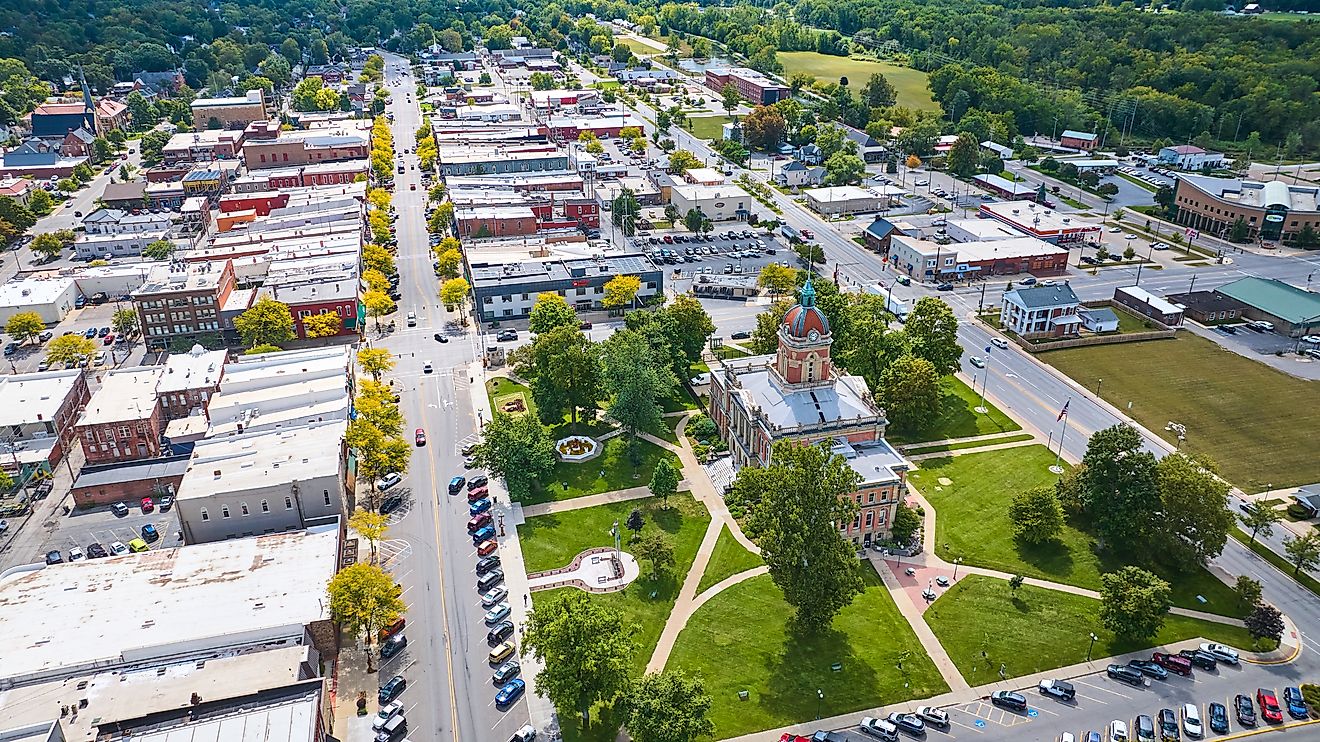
(524, 600)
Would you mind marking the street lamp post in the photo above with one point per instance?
(1088, 649)
(981, 409)
(956, 562)
(820, 701)
(1098, 382)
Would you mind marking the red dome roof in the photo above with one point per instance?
(805, 316)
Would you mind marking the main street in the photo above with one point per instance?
(449, 695)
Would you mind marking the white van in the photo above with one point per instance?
(393, 729)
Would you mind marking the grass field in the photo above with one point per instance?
(910, 83)
(707, 127)
(728, 559)
(551, 537)
(639, 47)
(971, 521)
(942, 447)
(618, 470)
(1232, 406)
(741, 640)
(1039, 629)
(957, 418)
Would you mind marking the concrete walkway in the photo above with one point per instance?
(988, 437)
(975, 449)
(929, 641)
(591, 501)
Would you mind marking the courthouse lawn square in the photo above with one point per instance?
(913, 91)
(972, 523)
(1232, 406)
(741, 640)
(1040, 629)
(640, 47)
(612, 470)
(958, 417)
(728, 559)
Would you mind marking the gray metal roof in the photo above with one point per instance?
(137, 471)
(1040, 297)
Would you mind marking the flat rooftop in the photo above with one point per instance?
(1257, 194)
(33, 291)
(28, 398)
(167, 601)
(257, 460)
(839, 193)
(1032, 218)
(558, 269)
(985, 229)
(125, 394)
(1014, 247)
(195, 369)
(195, 277)
(784, 408)
(877, 463)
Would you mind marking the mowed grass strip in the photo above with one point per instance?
(1037, 629)
(964, 445)
(741, 640)
(913, 91)
(957, 417)
(1252, 420)
(971, 522)
(728, 559)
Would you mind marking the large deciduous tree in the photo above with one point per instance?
(797, 504)
(268, 322)
(551, 311)
(932, 331)
(585, 646)
(1265, 622)
(764, 128)
(69, 350)
(565, 371)
(1259, 520)
(518, 449)
(637, 380)
(1303, 551)
(23, 326)
(664, 481)
(910, 392)
(668, 706)
(1134, 602)
(1119, 489)
(363, 600)
(1195, 517)
(1036, 515)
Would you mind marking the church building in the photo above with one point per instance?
(797, 394)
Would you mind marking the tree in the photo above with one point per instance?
(965, 154)
(764, 128)
(268, 322)
(621, 291)
(322, 325)
(730, 98)
(375, 257)
(1265, 622)
(125, 321)
(657, 550)
(375, 361)
(907, 521)
(454, 293)
(636, 380)
(40, 202)
(363, 600)
(1120, 491)
(932, 329)
(681, 161)
(543, 80)
(47, 245)
(158, 250)
(23, 326)
(664, 481)
(140, 110)
(779, 279)
(1036, 515)
(1303, 551)
(668, 706)
(910, 392)
(695, 221)
(635, 522)
(1239, 232)
(1248, 591)
(1015, 582)
(624, 212)
(449, 262)
(1133, 603)
(371, 526)
(518, 449)
(765, 338)
(796, 504)
(69, 350)
(586, 648)
(1260, 519)
(379, 452)
(879, 92)
(565, 370)
(551, 311)
(843, 168)
(1194, 502)
(257, 350)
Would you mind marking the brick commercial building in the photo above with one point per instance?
(798, 395)
(508, 290)
(933, 261)
(123, 421)
(117, 482)
(230, 113)
(495, 221)
(304, 148)
(202, 146)
(604, 126)
(1041, 222)
(1271, 210)
(37, 413)
(751, 85)
(1149, 305)
(183, 304)
(1079, 140)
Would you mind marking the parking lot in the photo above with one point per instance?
(100, 525)
(1100, 700)
(739, 251)
(30, 356)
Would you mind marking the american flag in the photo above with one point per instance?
(1063, 412)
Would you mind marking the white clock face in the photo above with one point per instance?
(813, 335)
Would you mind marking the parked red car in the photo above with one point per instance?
(1269, 706)
(148, 505)
(1173, 663)
(486, 548)
(477, 521)
(478, 494)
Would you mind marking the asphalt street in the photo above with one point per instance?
(450, 695)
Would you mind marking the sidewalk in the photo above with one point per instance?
(590, 501)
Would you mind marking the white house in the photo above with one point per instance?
(796, 174)
(1098, 319)
(720, 203)
(1041, 311)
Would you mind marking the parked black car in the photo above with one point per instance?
(95, 551)
(1009, 700)
(393, 646)
(1218, 717)
(486, 564)
(1125, 674)
(499, 632)
(1245, 711)
(1202, 660)
(1149, 669)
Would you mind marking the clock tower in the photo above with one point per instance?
(803, 358)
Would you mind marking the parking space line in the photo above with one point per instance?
(1042, 708)
(1099, 688)
(1097, 700)
(964, 726)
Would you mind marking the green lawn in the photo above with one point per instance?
(1129, 323)
(741, 640)
(958, 417)
(639, 47)
(707, 127)
(971, 522)
(728, 559)
(910, 83)
(557, 538)
(1039, 629)
(678, 401)
(502, 390)
(1231, 405)
(610, 471)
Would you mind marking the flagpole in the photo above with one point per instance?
(1058, 455)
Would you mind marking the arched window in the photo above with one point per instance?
(242, 506)
(205, 515)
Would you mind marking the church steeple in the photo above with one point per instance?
(89, 104)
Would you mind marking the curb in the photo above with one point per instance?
(1266, 730)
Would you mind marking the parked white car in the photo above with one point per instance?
(1221, 652)
(1192, 720)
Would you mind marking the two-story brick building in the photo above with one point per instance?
(37, 413)
(123, 420)
(798, 395)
